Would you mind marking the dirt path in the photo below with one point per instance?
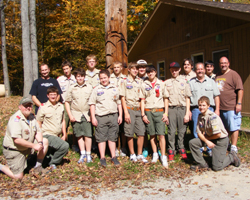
(232, 183)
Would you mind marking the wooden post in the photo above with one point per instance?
(116, 33)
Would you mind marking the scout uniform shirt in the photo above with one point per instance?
(153, 95)
(92, 79)
(65, 83)
(178, 89)
(130, 89)
(105, 99)
(189, 76)
(78, 97)
(116, 80)
(20, 127)
(211, 124)
(51, 117)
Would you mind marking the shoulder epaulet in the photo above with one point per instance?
(58, 77)
(18, 117)
(125, 78)
(42, 104)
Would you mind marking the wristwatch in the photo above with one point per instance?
(239, 103)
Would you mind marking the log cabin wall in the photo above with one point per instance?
(185, 32)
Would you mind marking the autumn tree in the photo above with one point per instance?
(4, 55)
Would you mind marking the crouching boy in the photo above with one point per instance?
(104, 108)
(50, 118)
(211, 131)
(77, 107)
(153, 102)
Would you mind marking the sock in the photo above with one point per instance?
(83, 152)
(88, 152)
(1, 166)
(39, 163)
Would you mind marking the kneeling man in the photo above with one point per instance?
(50, 118)
(211, 131)
(22, 130)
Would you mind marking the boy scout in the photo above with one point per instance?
(116, 78)
(142, 64)
(153, 102)
(76, 104)
(188, 66)
(22, 130)
(104, 104)
(65, 81)
(92, 74)
(211, 131)
(50, 118)
(178, 108)
(130, 89)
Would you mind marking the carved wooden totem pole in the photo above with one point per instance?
(116, 33)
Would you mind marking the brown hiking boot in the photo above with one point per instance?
(236, 161)
(40, 170)
(199, 166)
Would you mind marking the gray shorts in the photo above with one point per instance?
(156, 125)
(16, 160)
(82, 128)
(136, 126)
(107, 128)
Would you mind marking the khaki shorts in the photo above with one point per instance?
(82, 128)
(16, 160)
(107, 128)
(156, 125)
(136, 126)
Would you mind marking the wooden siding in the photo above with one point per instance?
(171, 44)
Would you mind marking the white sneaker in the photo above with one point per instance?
(82, 158)
(164, 161)
(155, 157)
(133, 158)
(234, 148)
(123, 152)
(117, 152)
(89, 159)
(142, 158)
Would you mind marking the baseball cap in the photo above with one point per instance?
(174, 64)
(25, 100)
(141, 62)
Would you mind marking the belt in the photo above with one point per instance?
(176, 106)
(155, 109)
(133, 108)
(8, 148)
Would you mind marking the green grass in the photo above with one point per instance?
(245, 122)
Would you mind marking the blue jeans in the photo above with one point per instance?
(195, 114)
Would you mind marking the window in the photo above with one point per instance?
(216, 58)
(198, 57)
(161, 70)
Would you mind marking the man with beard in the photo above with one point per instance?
(39, 87)
(202, 86)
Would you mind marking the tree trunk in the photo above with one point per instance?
(33, 39)
(4, 55)
(116, 32)
(27, 61)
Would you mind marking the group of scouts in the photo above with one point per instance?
(108, 105)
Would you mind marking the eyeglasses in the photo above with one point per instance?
(27, 105)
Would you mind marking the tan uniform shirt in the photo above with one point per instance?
(116, 80)
(94, 79)
(211, 124)
(130, 89)
(189, 76)
(153, 95)
(178, 89)
(65, 83)
(105, 99)
(78, 97)
(19, 127)
(51, 117)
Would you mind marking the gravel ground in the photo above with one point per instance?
(232, 183)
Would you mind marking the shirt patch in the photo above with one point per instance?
(16, 120)
(129, 86)
(100, 92)
(98, 78)
(213, 117)
(26, 131)
(147, 88)
(114, 90)
(182, 84)
(201, 124)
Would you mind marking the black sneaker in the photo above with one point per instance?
(199, 166)
(115, 161)
(236, 161)
(103, 162)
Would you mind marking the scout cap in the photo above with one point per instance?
(141, 62)
(25, 100)
(174, 64)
